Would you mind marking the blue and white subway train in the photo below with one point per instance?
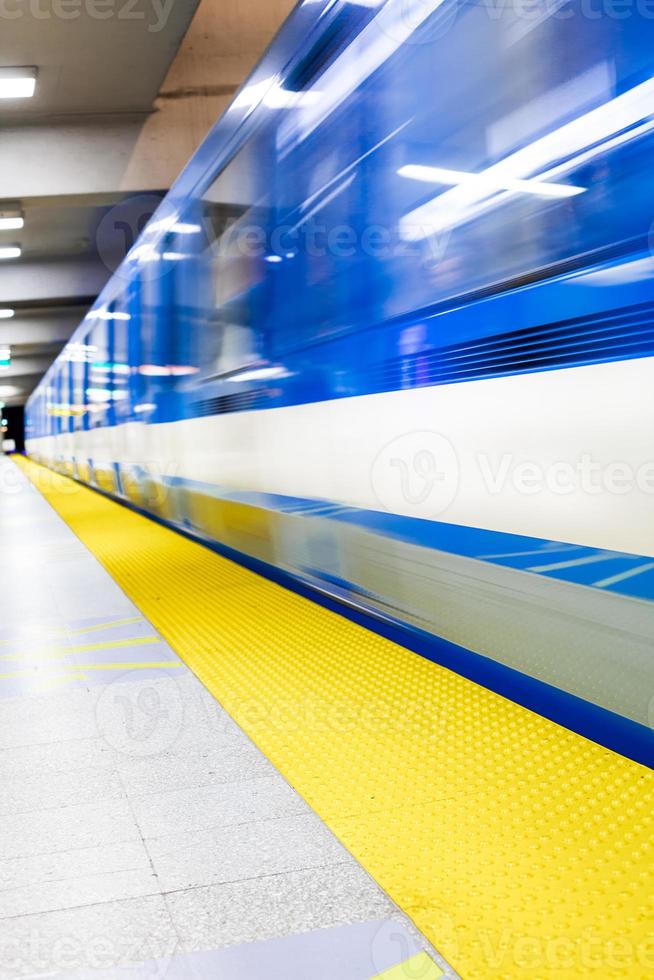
(391, 334)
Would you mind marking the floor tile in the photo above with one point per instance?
(67, 829)
(210, 808)
(66, 879)
(85, 939)
(245, 851)
(222, 915)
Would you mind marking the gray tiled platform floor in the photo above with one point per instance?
(141, 832)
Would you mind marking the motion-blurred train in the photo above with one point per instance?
(391, 336)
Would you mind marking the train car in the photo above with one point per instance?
(390, 337)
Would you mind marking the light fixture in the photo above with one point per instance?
(487, 183)
(17, 83)
(8, 391)
(6, 314)
(10, 252)
(11, 220)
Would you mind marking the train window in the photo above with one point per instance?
(98, 390)
(409, 171)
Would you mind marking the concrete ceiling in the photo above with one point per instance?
(100, 57)
(122, 102)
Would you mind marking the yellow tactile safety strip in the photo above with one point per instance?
(518, 848)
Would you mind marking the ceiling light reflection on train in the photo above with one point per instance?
(145, 253)
(272, 94)
(104, 314)
(167, 370)
(482, 182)
(260, 374)
(80, 353)
(104, 367)
(575, 143)
(186, 228)
(102, 395)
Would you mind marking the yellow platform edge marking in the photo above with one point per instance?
(420, 967)
(68, 671)
(61, 652)
(154, 665)
(99, 627)
(520, 849)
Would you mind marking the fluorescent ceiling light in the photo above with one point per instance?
(489, 184)
(8, 391)
(11, 222)
(6, 314)
(10, 252)
(17, 83)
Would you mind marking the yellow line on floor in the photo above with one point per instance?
(60, 671)
(520, 849)
(420, 967)
(99, 627)
(61, 674)
(155, 664)
(61, 652)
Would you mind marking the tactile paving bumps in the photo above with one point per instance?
(519, 848)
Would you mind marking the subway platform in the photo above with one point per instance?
(142, 833)
(207, 775)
